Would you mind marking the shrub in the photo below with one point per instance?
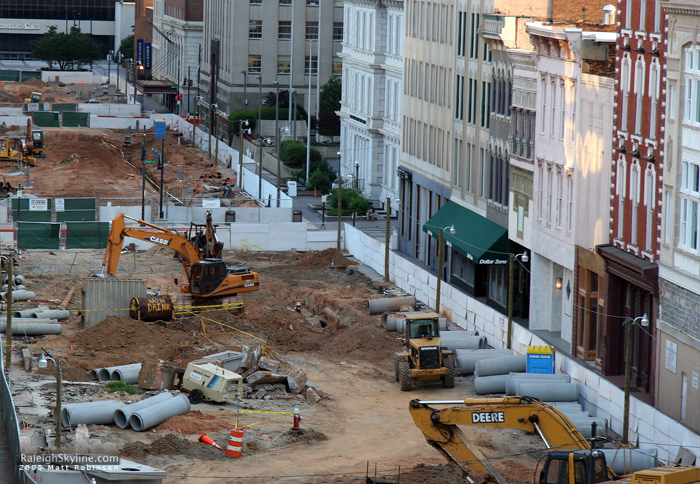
(236, 116)
(353, 201)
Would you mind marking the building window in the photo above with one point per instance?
(311, 30)
(692, 85)
(256, 2)
(690, 197)
(570, 208)
(283, 64)
(285, 2)
(255, 29)
(338, 31)
(312, 3)
(284, 30)
(498, 284)
(560, 198)
(311, 65)
(589, 334)
(337, 66)
(254, 64)
(474, 36)
(639, 75)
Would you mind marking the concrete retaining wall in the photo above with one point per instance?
(599, 397)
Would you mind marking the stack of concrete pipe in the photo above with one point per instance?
(19, 291)
(386, 304)
(626, 461)
(152, 415)
(515, 379)
(31, 327)
(92, 413)
(140, 415)
(126, 373)
(462, 340)
(397, 322)
(491, 374)
(467, 358)
(586, 424)
(123, 414)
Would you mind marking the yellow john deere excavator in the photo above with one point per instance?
(573, 461)
(208, 277)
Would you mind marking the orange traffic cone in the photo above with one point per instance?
(207, 440)
(235, 444)
(315, 192)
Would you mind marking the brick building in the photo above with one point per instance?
(630, 286)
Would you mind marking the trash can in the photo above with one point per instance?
(296, 216)
(230, 216)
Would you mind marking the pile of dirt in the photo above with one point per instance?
(320, 259)
(195, 422)
(172, 444)
(68, 373)
(122, 341)
(34, 82)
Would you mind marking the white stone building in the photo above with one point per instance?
(372, 93)
(571, 167)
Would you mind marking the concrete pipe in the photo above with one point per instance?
(585, 426)
(466, 359)
(105, 374)
(126, 373)
(155, 414)
(122, 415)
(567, 406)
(462, 342)
(98, 413)
(555, 392)
(31, 329)
(490, 384)
(21, 287)
(19, 280)
(501, 366)
(3, 319)
(27, 313)
(95, 373)
(390, 320)
(60, 315)
(387, 304)
(516, 378)
(18, 295)
(626, 461)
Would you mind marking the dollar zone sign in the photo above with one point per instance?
(157, 240)
(488, 417)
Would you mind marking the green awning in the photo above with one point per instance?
(476, 237)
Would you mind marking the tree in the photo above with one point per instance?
(72, 50)
(329, 122)
(126, 47)
(47, 47)
(353, 201)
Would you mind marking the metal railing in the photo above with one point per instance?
(10, 425)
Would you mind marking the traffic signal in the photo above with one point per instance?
(191, 83)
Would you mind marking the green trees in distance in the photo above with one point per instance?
(69, 51)
(293, 154)
(126, 47)
(328, 121)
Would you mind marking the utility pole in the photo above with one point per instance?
(8, 329)
(189, 83)
(143, 176)
(161, 214)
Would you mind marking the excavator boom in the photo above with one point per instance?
(207, 277)
(165, 237)
(440, 428)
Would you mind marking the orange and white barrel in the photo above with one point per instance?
(235, 444)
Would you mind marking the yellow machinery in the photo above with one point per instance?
(207, 277)
(424, 359)
(573, 461)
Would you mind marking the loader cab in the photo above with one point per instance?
(574, 467)
(206, 276)
(422, 328)
(38, 139)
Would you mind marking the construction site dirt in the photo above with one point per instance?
(360, 419)
(355, 418)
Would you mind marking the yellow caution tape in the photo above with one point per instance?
(266, 412)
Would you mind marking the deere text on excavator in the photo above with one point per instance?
(208, 277)
(572, 460)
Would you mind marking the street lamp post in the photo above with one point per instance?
(387, 237)
(511, 268)
(245, 87)
(259, 78)
(241, 123)
(212, 108)
(357, 175)
(340, 204)
(441, 231)
(293, 95)
(109, 66)
(277, 116)
(644, 321)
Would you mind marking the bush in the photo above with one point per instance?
(321, 180)
(236, 116)
(353, 201)
(293, 153)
